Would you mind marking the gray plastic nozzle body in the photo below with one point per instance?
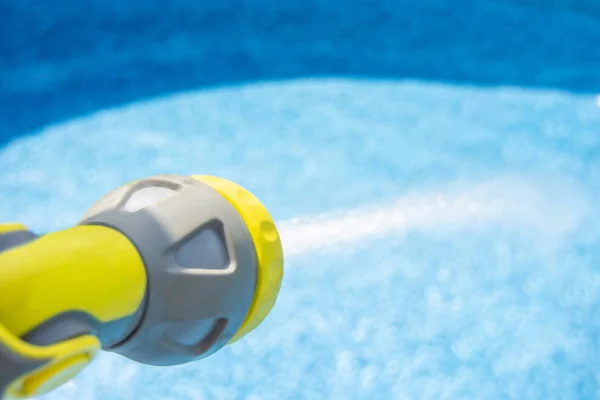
(200, 264)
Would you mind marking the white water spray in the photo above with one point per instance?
(504, 203)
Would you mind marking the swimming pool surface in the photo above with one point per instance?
(443, 156)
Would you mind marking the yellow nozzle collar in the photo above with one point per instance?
(268, 247)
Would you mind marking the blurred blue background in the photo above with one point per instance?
(444, 106)
(67, 59)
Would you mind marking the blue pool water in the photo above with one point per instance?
(452, 157)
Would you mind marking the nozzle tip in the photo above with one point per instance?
(267, 243)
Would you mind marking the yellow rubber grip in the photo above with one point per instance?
(59, 363)
(11, 227)
(93, 269)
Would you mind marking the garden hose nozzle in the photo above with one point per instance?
(164, 271)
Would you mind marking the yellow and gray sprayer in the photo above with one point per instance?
(164, 271)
